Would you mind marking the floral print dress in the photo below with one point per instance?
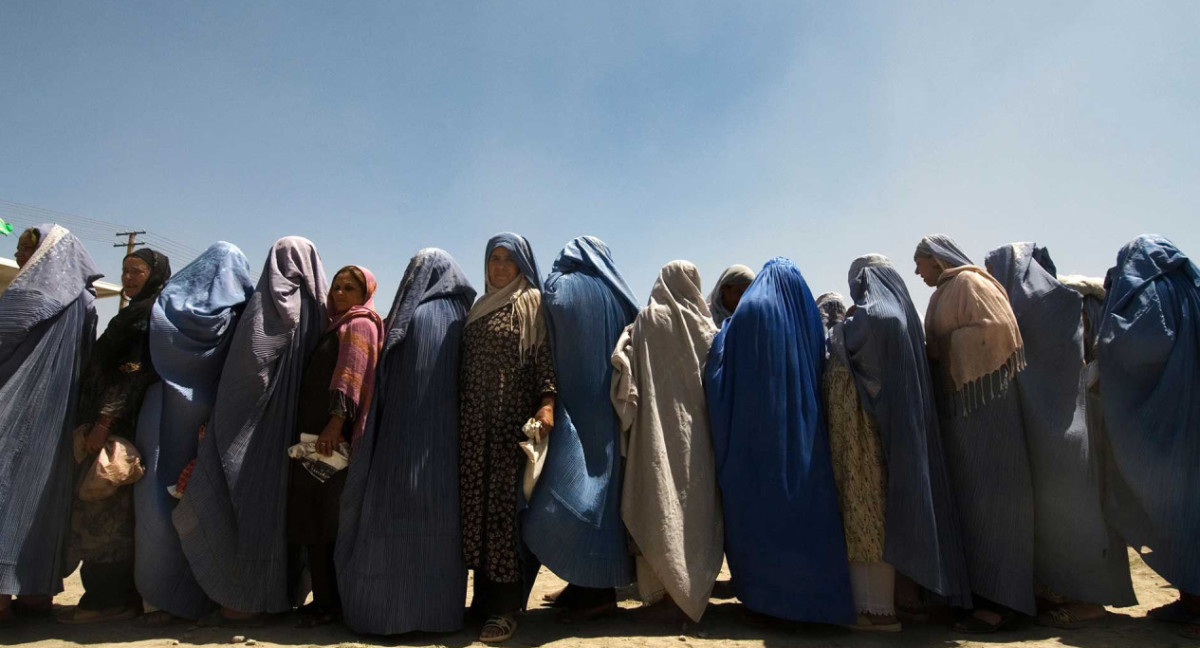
(859, 467)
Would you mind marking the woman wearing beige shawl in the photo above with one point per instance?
(671, 504)
(975, 350)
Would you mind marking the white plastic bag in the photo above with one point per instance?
(535, 452)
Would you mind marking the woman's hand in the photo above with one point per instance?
(545, 414)
(94, 441)
(331, 436)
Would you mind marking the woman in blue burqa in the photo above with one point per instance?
(232, 518)
(1149, 360)
(47, 326)
(975, 350)
(191, 326)
(783, 529)
(574, 524)
(1080, 563)
(399, 547)
(119, 371)
(896, 501)
(506, 377)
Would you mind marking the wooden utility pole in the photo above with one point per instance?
(128, 245)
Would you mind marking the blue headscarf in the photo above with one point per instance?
(191, 325)
(1149, 359)
(1074, 553)
(944, 249)
(399, 550)
(574, 522)
(783, 525)
(232, 521)
(522, 254)
(47, 327)
(883, 345)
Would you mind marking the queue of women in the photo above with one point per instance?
(854, 466)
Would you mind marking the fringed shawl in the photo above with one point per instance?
(973, 336)
(671, 503)
(360, 335)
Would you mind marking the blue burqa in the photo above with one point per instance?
(1076, 554)
(47, 326)
(232, 520)
(1149, 358)
(783, 526)
(191, 326)
(884, 346)
(399, 549)
(573, 524)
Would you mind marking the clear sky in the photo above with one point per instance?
(716, 132)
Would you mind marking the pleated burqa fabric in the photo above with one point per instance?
(975, 349)
(47, 327)
(670, 502)
(191, 325)
(1149, 360)
(399, 550)
(783, 526)
(1076, 553)
(884, 345)
(232, 519)
(573, 524)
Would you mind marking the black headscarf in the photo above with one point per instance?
(123, 351)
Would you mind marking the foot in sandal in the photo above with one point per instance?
(498, 628)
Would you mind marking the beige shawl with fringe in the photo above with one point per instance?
(972, 336)
(671, 503)
(527, 308)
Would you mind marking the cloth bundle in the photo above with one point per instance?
(117, 464)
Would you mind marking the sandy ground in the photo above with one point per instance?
(722, 627)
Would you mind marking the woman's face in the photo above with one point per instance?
(501, 270)
(134, 273)
(731, 296)
(347, 292)
(928, 269)
(25, 249)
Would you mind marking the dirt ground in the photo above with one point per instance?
(723, 626)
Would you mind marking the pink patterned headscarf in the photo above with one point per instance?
(360, 337)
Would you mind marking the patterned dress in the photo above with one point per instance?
(499, 391)
(859, 467)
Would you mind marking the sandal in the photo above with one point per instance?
(974, 625)
(866, 624)
(505, 623)
(158, 619)
(218, 620)
(553, 598)
(1061, 617)
(579, 615)
(321, 618)
(1174, 612)
(79, 616)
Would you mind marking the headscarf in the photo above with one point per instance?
(734, 275)
(573, 524)
(47, 325)
(524, 292)
(1075, 554)
(360, 334)
(232, 521)
(671, 503)
(970, 329)
(1149, 360)
(783, 525)
(883, 345)
(1093, 293)
(191, 326)
(944, 250)
(123, 350)
(833, 309)
(399, 552)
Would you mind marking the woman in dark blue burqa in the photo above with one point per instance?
(574, 522)
(783, 527)
(1149, 359)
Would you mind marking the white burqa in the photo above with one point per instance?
(671, 504)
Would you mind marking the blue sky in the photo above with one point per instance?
(716, 132)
